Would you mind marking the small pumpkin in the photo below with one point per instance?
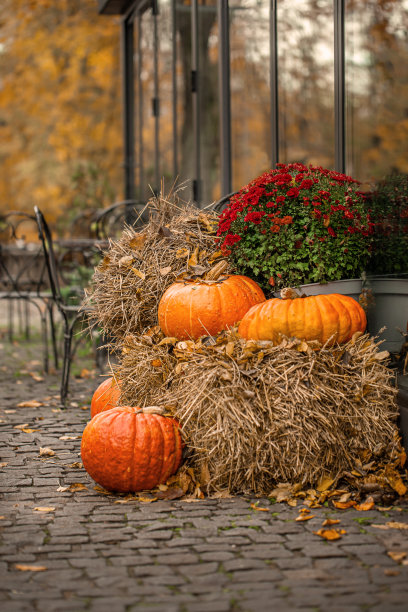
(106, 396)
(317, 317)
(128, 449)
(194, 308)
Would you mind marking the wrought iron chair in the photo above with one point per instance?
(222, 202)
(109, 222)
(70, 313)
(23, 278)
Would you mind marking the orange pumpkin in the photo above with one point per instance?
(125, 449)
(105, 397)
(194, 308)
(317, 317)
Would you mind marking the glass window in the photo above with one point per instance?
(376, 88)
(306, 81)
(209, 150)
(250, 90)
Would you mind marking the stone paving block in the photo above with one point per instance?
(211, 606)
(190, 571)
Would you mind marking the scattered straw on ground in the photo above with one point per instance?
(255, 415)
(178, 240)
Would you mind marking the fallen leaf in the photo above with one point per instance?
(258, 508)
(391, 572)
(3, 464)
(126, 260)
(138, 273)
(30, 404)
(44, 508)
(100, 489)
(45, 451)
(62, 489)
(146, 500)
(396, 525)
(180, 253)
(329, 522)
(367, 505)
(85, 373)
(156, 363)
(138, 241)
(165, 271)
(344, 505)
(10, 411)
(35, 376)
(193, 259)
(170, 493)
(22, 426)
(396, 555)
(30, 568)
(76, 464)
(330, 534)
(77, 486)
(325, 483)
(69, 438)
(304, 517)
(395, 481)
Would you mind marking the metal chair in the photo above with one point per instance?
(23, 278)
(70, 313)
(109, 222)
(222, 202)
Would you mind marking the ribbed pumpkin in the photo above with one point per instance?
(194, 308)
(105, 397)
(317, 317)
(128, 449)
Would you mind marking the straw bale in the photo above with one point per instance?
(254, 414)
(178, 241)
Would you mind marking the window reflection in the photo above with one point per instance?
(250, 89)
(377, 87)
(306, 81)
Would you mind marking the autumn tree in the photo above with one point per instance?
(60, 106)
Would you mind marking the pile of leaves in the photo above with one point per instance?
(254, 415)
(178, 241)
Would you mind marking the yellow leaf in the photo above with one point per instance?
(138, 273)
(44, 508)
(146, 500)
(397, 555)
(229, 348)
(45, 451)
(77, 486)
(69, 438)
(180, 253)
(258, 509)
(396, 525)
(325, 483)
(30, 404)
(137, 242)
(156, 363)
(30, 568)
(329, 522)
(193, 259)
(330, 534)
(304, 517)
(367, 505)
(22, 426)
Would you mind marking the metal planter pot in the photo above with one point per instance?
(349, 286)
(388, 306)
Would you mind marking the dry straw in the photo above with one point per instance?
(177, 241)
(255, 415)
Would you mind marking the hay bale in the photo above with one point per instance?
(178, 241)
(145, 366)
(254, 414)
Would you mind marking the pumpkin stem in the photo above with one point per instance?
(217, 270)
(289, 294)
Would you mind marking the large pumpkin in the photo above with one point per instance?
(194, 308)
(126, 449)
(105, 397)
(317, 317)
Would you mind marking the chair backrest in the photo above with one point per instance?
(22, 265)
(110, 221)
(45, 237)
(223, 202)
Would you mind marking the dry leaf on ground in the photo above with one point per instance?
(46, 452)
(30, 568)
(44, 508)
(30, 404)
(397, 555)
(330, 534)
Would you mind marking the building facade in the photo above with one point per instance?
(216, 92)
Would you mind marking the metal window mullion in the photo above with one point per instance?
(128, 107)
(224, 80)
(274, 91)
(196, 101)
(174, 86)
(140, 107)
(156, 112)
(339, 86)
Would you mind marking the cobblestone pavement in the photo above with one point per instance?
(215, 555)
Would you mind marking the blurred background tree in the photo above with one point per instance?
(60, 107)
